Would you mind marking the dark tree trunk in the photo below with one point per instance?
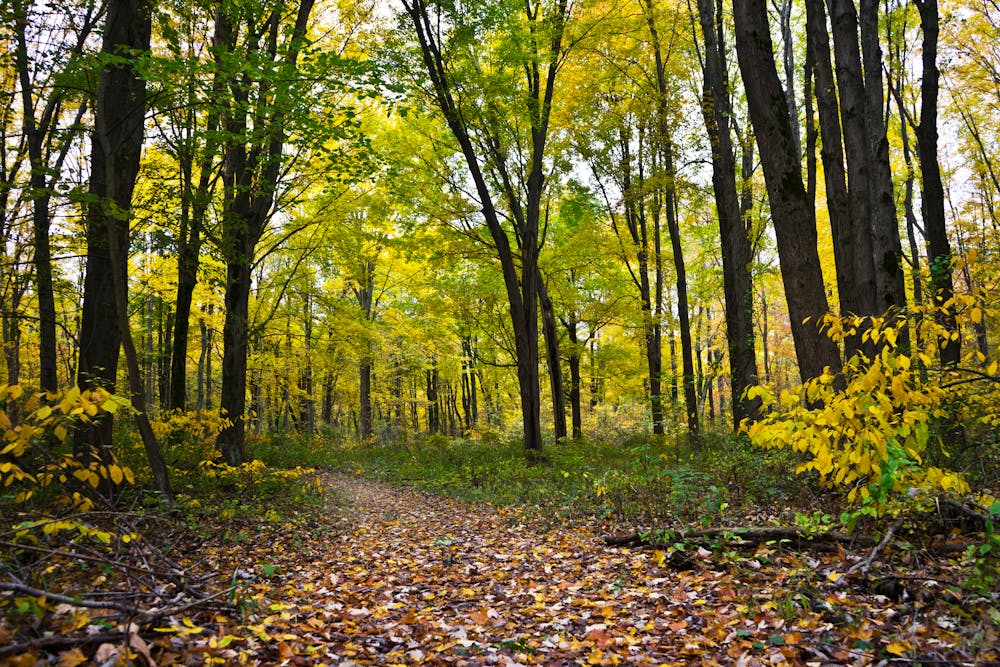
(794, 219)
(596, 381)
(116, 150)
(575, 379)
(665, 152)
(935, 227)
(433, 400)
(886, 245)
(365, 401)
(553, 361)
(521, 286)
(737, 253)
(837, 199)
(683, 315)
(854, 240)
(469, 383)
(235, 344)
(788, 62)
(37, 132)
(121, 109)
(308, 408)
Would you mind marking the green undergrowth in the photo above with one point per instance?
(636, 479)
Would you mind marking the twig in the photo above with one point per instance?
(867, 562)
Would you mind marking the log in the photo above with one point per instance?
(743, 536)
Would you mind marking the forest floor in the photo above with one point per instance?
(381, 574)
(398, 576)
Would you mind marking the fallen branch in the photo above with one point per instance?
(863, 566)
(739, 536)
(76, 602)
(56, 642)
(133, 612)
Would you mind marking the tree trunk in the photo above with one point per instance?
(553, 361)
(251, 171)
(37, 131)
(737, 253)
(794, 219)
(886, 245)
(665, 152)
(235, 343)
(121, 108)
(433, 404)
(116, 150)
(854, 240)
(365, 401)
(935, 227)
(838, 202)
(575, 380)
(195, 200)
(521, 286)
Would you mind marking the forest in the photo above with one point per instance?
(490, 332)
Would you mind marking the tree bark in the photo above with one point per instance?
(665, 150)
(37, 132)
(832, 153)
(794, 218)
(194, 207)
(737, 253)
(553, 361)
(521, 286)
(886, 244)
(121, 108)
(935, 227)
(116, 150)
(855, 241)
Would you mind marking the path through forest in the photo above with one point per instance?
(402, 577)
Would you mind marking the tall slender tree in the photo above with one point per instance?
(254, 125)
(935, 226)
(486, 148)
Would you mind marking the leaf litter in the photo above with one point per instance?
(401, 577)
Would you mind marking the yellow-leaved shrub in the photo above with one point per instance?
(869, 426)
(35, 460)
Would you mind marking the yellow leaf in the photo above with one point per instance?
(116, 474)
(659, 557)
(899, 647)
(43, 412)
(976, 315)
(71, 658)
(596, 657)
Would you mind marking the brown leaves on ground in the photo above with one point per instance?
(409, 578)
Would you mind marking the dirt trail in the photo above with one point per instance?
(413, 578)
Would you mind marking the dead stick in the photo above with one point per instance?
(867, 562)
